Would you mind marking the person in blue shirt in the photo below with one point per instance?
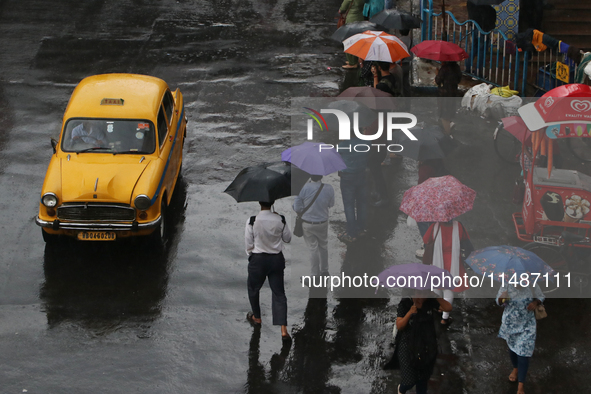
(354, 187)
(315, 221)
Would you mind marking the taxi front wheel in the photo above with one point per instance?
(160, 235)
(50, 238)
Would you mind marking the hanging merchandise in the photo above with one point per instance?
(537, 41)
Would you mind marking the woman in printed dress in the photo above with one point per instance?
(518, 327)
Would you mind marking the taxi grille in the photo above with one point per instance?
(96, 213)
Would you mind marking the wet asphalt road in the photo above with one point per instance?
(121, 318)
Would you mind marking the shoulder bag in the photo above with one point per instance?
(540, 310)
(298, 229)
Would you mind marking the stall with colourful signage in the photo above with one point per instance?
(556, 200)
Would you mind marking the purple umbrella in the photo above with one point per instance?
(416, 276)
(316, 158)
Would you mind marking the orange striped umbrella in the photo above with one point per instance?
(377, 46)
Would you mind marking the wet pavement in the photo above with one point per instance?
(121, 318)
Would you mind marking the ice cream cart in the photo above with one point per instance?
(556, 208)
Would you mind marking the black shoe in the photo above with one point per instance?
(250, 319)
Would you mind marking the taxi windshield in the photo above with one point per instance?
(116, 136)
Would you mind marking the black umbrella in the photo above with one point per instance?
(267, 182)
(396, 19)
(350, 29)
(486, 2)
(431, 144)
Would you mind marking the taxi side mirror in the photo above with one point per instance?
(54, 145)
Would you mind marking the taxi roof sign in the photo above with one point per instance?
(112, 101)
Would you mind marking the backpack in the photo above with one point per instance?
(253, 218)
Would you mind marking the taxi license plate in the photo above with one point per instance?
(97, 236)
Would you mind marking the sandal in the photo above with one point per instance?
(344, 237)
(251, 319)
(513, 377)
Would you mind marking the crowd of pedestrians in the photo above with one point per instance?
(363, 186)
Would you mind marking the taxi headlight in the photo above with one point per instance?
(142, 202)
(49, 200)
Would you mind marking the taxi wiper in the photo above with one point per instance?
(129, 152)
(92, 149)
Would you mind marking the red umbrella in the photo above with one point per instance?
(438, 199)
(443, 51)
(516, 126)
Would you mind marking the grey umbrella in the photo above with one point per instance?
(396, 19)
(366, 116)
(353, 28)
(431, 144)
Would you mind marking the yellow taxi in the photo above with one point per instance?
(117, 160)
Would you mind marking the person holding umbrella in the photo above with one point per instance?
(416, 340)
(316, 198)
(313, 204)
(518, 327)
(353, 9)
(447, 238)
(448, 78)
(417, 346)
(264, 235)
(387, 79)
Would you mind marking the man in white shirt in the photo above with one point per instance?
(316, 221)
(264, 236)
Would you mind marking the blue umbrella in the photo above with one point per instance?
(316, 158)
(416, 276)
(507, 260)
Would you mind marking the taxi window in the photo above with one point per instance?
(168, 103)
(118, 136)
(162, 126)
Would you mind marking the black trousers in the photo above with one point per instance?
(260, 267)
